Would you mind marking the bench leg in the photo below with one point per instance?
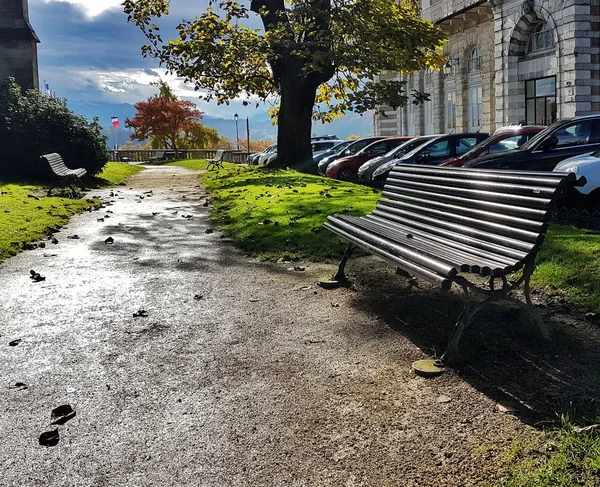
(452, 355)
(529, 307)
(340, 276)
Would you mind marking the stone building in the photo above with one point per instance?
(510, 61)
(18, 44)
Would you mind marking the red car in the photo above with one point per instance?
(503, 139)
(346, 168)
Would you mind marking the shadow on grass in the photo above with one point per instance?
(506, 359)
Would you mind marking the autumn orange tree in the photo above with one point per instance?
(164, 118)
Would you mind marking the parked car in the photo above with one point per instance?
(588, 166)
(254, 158)
(352, 149)
(324, 137)
(433, 152)
(346, 168)
(503, 139)
(334, 150)
(561, 140)
(365, 172)
(316, 146)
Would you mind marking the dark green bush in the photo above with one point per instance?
(32, 124)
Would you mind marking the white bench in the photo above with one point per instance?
(216, 162)
(62, 175)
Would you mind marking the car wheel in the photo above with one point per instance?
(346, 174)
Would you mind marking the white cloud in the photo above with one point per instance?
(94, 7)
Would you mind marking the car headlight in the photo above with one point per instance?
(384, 168)
(574, 168)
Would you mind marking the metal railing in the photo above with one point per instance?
(447, 8)
(143, 155)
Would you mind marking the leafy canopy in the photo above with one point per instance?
(343, 44)
(163, 118)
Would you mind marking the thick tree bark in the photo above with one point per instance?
(295, 124)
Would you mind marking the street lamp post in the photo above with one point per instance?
(236, 117)
(248, 135)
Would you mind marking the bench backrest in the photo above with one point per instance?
(55, 161)
(160, 154)
(219, 155)
(497, 211)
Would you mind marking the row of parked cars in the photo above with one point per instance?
(571, 145)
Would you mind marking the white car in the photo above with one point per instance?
(588, 166)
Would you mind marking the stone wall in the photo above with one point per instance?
(18, 44)
(502, 30)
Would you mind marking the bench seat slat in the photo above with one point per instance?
(417, 270)
(404, 252)
(459, 241)
(406, 216)
(471, 257)
(466, 259)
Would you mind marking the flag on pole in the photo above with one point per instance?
(115, 122)
(47, 86)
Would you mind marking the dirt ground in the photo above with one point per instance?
(242, 373)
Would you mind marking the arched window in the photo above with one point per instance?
(541, 38)
(475, 61)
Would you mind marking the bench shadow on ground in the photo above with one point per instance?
(504, 356)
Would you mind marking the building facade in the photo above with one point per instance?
(18, 44)
(509, 62)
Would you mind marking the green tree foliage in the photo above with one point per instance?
(310, 54)
(32, 124)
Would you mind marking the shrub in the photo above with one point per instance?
(32, 124)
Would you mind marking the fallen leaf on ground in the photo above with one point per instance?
(62, 414)
(14, 343)
(49, 438)
(140, 312)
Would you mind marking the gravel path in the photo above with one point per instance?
(241, 374)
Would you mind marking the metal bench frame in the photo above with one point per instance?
(440, 223)
(62, 175)
(216, 162)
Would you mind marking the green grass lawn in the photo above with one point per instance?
(26, 213)
(278, 213)
(113, 173)
(561, 457)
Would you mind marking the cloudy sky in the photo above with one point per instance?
(88, 52)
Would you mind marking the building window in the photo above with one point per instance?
(475, 61)
(541, 38)
(450, 111)
(475, 107)
(540, 101)
(428, 76)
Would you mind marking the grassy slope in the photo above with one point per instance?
(273, 214)
(26, 213)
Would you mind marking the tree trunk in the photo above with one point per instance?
(295, 123)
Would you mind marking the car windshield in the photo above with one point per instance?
(539, 136)
(336, 149)
(476, 148)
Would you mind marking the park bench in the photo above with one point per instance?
(162, 155)
(62, 175)
(442, 223)
(216, 162)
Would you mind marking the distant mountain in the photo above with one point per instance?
(259, 124)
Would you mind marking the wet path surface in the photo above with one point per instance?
(241, 373)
